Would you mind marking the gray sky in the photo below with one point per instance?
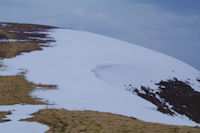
(169, 26)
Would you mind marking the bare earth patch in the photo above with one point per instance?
(63, 121)
(3, 116)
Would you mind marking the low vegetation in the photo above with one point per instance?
(17, 38)
(64, 121)
(16, 89)
(3, 116)
(11, 49)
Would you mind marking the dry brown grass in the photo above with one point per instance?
(63, 121)
(11, 49)
(16, 89)
(2, 115)
(29, 38)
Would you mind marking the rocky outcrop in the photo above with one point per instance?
(172, 96)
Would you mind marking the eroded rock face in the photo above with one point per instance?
(172, 96)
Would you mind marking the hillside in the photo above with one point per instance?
(92, 72)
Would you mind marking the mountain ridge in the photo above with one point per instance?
(94, 72)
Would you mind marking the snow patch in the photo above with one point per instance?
(21, 112)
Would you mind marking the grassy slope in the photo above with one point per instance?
(16, 89)
(3, 115)
(64, 121)
(28, 38)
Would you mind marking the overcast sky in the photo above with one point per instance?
(169, 26)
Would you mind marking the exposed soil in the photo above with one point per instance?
(63, 121)
(3, 116)
(180, 95)
(16, 89)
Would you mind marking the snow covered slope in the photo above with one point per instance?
(93, 71)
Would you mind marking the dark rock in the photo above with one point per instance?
(180, 95)
(184, 99)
